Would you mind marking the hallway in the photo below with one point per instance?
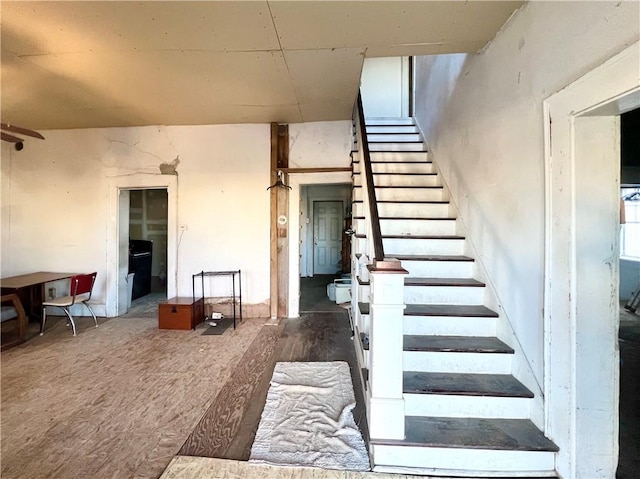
(629, 334)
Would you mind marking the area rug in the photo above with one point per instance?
(308, 420)
(219, 328)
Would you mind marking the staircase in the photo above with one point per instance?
(465, 413)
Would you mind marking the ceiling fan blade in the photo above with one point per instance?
(22, 131)
(7, 137)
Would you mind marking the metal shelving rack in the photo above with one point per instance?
(236, 298)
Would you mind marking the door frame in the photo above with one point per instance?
(580, 417)
(116, 247)
(313, 201)
(297, 181)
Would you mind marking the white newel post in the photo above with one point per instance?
(385, 349)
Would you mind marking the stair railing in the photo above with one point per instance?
(385, 411)
(374, 235)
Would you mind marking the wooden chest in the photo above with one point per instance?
(180, 313)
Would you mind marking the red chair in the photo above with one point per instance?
(80, 292)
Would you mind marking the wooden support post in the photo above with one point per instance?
(279, 279)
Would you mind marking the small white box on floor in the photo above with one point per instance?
(340, 290)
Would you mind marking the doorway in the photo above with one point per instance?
(307, 189)
(119, 201)
(629, 273)
(581, 308)
(334, 200)
(148, 241)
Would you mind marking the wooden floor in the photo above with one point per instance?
(123, 399)
(228, 427)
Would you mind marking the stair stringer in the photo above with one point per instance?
(521, 367)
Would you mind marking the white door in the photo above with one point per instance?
(327, 236)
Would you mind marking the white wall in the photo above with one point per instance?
(320, 144)
(55, 200)
(55, 197)
(482, 118)
(384, 85)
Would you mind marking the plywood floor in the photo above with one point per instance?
(123, 399)
(116, 401)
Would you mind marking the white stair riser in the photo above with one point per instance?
(441, 362)
(402, 246)
(449, 405)
(418, 210)
(420, 156)
(406, 180)
(362, 355)
(364, 292)
(388, 120)
(445, 325)
(412, 227)
(392, 129)
(418, 227)
(390, 146)
(439, 269)
(393, 138)
(403, 194)
(361, 245)
(444, 295)
(453, 461)
(412, 167)
(449, 326)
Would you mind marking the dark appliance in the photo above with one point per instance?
(140, 256)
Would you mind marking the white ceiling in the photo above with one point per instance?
(99, 64)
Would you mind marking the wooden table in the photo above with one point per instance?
(30, 289)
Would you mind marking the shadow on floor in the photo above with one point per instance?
(313, 294)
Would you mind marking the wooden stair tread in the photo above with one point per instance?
(443, 237)
(396, 162)
(455, 344)
(396, 151)
(403, 174)
(400, 142)
(443, 282)
(418, 202)
(407, 218)
(497, 385)
(404, 186)
(419, 257)
(450, 310)
(392, 133)
(472, 433)
(417, 237)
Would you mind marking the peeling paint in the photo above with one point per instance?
(170, 168)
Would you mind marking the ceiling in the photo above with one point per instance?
(101, 64)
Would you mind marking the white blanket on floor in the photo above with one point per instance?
(308, 420)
